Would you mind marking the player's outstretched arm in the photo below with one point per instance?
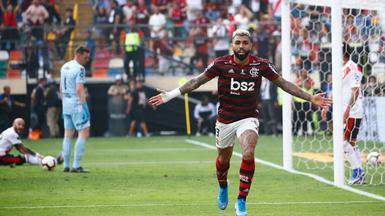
(317, 99)
(189, 86)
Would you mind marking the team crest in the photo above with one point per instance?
(254, 72)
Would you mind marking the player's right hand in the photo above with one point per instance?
(157, 99)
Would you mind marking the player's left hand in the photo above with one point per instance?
(157, 99)
(320, 100)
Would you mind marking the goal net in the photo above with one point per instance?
(316, 141)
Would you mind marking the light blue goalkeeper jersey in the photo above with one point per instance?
(71, 73)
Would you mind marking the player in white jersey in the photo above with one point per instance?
(11, 138)
(75, 109)
(353, 114)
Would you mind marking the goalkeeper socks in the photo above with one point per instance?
(351, 155)
(357, 153)
(67, 143)
(79, 151)
(222, 170)
(246, 174)
(34, 160)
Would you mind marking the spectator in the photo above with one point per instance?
(115, 18)
(178, 16)
(157, 24)
(204, 114)
(262, 41)
(269, 102)
(162, 5)
(200, 41)
(53, 15)
(7, 104)
(63, 35)
(243, 18)
(10, 33)
(35, 16)
(138, 103)
(221, 38)
(142, 17)
(117, 101)
(128, 11)
(91, 45)
(166, 50)
(201, 21)
(53, 103)
(31, 55)
(132, 50)
(303, 115)
(38, 110)
(101, 18)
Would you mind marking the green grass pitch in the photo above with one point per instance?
(168, 176)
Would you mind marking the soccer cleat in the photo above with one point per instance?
(79, 170)
(358, 177)
(59, 159)
(66, 169)
(223, 197)
(240, 207)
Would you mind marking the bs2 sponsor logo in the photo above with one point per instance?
(243, 86)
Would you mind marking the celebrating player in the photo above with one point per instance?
(353, 113)
(75, 109)
(238, 86)
(9, 139)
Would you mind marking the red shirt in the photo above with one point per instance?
(239, 86)
(10, 19)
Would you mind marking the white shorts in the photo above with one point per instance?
(225, 133)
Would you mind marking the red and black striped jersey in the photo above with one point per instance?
(239, 85)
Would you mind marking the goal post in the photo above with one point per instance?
(313, 34)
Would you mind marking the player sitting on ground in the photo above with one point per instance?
(9, 139)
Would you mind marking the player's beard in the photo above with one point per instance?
(243, 56)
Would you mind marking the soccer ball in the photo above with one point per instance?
(373, 158)
(48, 163)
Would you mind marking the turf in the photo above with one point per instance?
(167, 176)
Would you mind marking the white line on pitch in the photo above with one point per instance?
(318, 178)
(148, 163)
(185, 204)
(150, 150)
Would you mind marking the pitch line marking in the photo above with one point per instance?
(150, 150)
(318, 178)
(187, 204)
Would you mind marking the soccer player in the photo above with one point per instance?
(9, 139)
(239, 80)
(353, 114)
(75, 109)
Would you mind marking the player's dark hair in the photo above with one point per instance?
(82, 49)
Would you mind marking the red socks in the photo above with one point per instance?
(246, 173)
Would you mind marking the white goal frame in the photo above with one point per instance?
(336, 29)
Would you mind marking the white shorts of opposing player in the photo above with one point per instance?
(225, 133)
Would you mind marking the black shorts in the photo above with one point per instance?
(352, 128)
(9, 159)
(138, 115)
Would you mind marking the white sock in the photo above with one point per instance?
(351, 155)
(357, 153)
(34, 160)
